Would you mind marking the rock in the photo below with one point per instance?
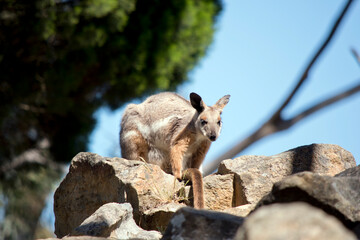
(292, 221)
(219, 191)
(93, 181)
(78, 238)
(114, 220)
(190, 223)
(129, 230)
(240, 211)
(158, 218)
(255, 175)
(324, 159)
(104, 220)
(338, 196)
(350, 172)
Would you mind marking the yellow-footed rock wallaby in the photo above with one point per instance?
(173, 133)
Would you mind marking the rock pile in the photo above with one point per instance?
(310, 192)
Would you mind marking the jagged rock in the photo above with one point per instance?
(158, 218)
(350, 172)
(292, 221)
(189, 223)
(338, 196)
(114, 220)
(219, 191)
(93, 181)
(240, 211)
(255, 175)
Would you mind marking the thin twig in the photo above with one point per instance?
(325, 103)
(356, 55)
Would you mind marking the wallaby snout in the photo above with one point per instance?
(212, 137)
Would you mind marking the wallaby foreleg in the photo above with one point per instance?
(176, 157)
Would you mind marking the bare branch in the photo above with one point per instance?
(305, 74)
(325, 103)
(276, 123)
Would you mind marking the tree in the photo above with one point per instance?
(62, 60)
(277, 122)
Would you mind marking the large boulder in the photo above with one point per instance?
(292, 221)
(93, 181)
(189, 223)
(255, 175)
(338, 196)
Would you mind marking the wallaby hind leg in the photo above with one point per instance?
(133, 146)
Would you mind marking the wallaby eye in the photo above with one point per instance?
(219, 122)
(203, 122)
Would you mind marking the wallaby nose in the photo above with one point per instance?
(212, 138)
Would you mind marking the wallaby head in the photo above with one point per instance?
(208, 121)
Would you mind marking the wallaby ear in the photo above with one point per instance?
(197, 102)
(221, 103)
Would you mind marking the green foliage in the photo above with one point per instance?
(62, 60)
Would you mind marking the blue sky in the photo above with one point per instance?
(260, 48)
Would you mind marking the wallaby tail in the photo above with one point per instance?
(195, 176)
